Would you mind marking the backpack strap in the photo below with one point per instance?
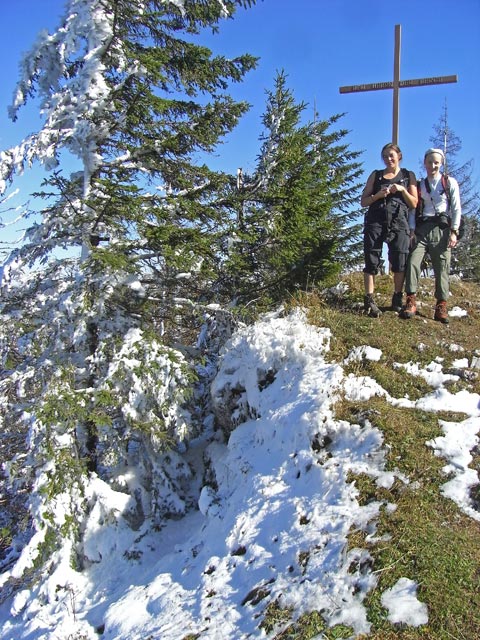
(420, 203)
(447, 188)
(406, 175)
(378, 180)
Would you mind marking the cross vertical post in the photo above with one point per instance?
(396, 82)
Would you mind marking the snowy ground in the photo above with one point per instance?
(273, 520)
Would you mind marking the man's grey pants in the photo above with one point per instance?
(429, 238)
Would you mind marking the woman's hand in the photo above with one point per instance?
(397, 187)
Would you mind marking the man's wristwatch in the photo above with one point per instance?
(455, 231)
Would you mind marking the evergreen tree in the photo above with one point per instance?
(89, 367)
(296, 224)
(466, 256)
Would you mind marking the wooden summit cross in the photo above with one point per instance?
(397, 84)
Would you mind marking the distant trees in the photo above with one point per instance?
(466, 256)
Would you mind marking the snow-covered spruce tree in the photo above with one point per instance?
(90, 371)
(466, 256)
(297, 211)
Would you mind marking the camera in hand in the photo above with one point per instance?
(443, 221)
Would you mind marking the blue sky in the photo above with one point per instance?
(321, 45)
(325, 44)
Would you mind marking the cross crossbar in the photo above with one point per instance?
(417, 82)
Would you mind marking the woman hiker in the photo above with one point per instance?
(388, 194)
(436, 232)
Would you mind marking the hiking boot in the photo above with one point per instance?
(410, 308)
(441, 312)
(370, 307)
(397, 300)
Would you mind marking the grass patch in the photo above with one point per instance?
(306, 627)
(427, 538)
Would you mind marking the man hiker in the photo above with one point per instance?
(435, 231)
